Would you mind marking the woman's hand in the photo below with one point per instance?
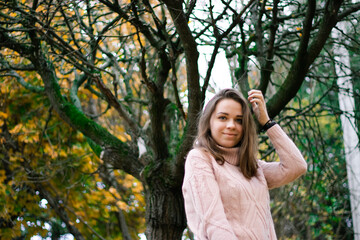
(256, 98)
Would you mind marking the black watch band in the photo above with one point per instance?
(267, 125)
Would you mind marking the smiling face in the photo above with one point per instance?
(226, 123)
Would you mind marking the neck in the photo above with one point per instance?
(231, 155)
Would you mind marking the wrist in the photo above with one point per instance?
(263, 122)
(267, 125)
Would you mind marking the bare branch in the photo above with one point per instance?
(134, 130)
(19, 78)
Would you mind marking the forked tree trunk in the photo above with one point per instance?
(165, 214)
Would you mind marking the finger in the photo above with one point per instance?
(254, 91)
(254, 105)
(256, 99)
(255, 94)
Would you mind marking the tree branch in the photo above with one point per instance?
(122, 156)
(56, 205)
(194, 97)
(328, 22)
(141, 25)
(219, 38)
(134, 130)
(8, 42)
(19, 78)
(351, 9)
(305, 56)
(298, 69)
(267, 68)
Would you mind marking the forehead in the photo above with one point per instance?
(228, 106)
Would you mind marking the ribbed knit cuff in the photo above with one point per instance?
(275, 133)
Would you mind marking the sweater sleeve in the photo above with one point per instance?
(292, 164)
(204, 209)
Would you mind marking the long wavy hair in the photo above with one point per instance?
(248, 145)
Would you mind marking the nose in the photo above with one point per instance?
(230, 124)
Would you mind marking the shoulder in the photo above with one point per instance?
(260, 163)
(198, 158)
(198, 153)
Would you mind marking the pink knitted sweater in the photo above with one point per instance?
(221, 203)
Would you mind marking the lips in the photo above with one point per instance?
(230, 134)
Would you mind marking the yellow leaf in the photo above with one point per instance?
(14, 158)
(121, 205)
(3, 115)
(2, 176)
(79, 136)
(63, 153)
(114, 193)
(16, 129)
(13, 14)
(112, 190)
(122, 138)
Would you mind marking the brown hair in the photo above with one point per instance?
(248, 143)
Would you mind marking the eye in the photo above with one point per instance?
(222, 117)
(239, 120)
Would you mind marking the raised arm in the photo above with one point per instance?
(292, 164)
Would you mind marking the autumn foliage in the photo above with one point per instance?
(100, 101)
(43, 158)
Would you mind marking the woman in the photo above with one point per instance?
(225, 188)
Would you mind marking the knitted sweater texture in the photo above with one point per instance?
(220, 203)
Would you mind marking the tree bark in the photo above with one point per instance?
(192, 73)
(165, 214)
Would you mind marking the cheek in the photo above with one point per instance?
(216, 127)
(212, 126)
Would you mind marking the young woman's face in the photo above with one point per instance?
(226, 123)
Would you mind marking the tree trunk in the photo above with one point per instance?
(352, 153)
(165, 214)
(351, 140)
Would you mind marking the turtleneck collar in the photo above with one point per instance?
(231, 155)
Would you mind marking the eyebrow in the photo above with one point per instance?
(224, 113)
